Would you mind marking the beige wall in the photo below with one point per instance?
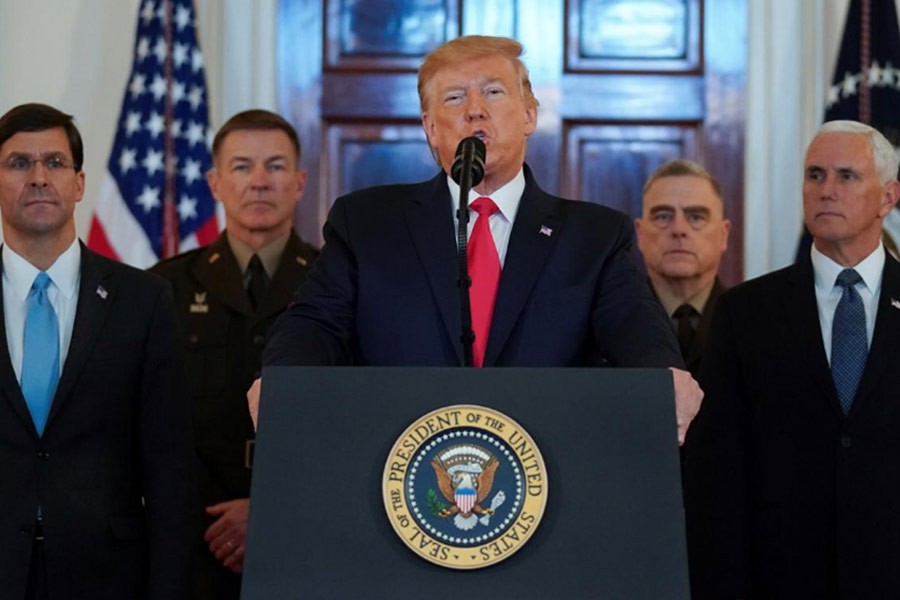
(73, 54)
(76, 55)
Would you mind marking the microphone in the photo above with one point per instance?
(469, 162)
(467, 170)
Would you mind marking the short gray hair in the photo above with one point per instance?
(681, 167)
(883, 155)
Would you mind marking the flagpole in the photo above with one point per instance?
(865, 62)
(154, 201)
(170, 239)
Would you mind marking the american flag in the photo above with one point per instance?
(866, 82)
(154, 201)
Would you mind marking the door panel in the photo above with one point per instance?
(607, 163)
(364, 155)
(624, 85)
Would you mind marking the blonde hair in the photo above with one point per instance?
(470, 47)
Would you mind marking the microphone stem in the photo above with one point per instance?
(467, 336)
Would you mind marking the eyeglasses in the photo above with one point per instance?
(24, 164)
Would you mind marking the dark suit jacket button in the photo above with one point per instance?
(26, 530)
(845, 441)
(43, 455)
(259, 340)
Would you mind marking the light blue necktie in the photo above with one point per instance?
(40, 361)
(849, 345)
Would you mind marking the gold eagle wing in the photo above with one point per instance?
(486, 479)
(443, 480)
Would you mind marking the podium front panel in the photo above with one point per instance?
(613, 525)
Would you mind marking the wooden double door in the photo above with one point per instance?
(624, 85)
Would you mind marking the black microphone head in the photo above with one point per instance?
(470, 154)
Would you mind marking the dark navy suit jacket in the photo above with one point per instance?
(112, 471)
(787, 497)
(384, 290)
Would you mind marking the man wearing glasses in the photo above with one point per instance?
(95, 450)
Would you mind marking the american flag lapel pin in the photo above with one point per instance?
(546, 231)
(895, 303)
(101, 291)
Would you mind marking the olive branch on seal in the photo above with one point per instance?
(434, 502)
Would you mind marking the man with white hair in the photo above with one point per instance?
(792, 474)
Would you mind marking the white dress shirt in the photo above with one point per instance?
(828, 293)
(18, 276)
(507, 200)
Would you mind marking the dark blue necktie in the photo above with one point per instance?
(40, 357)
(849, 345)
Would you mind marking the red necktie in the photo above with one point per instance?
(484, 270)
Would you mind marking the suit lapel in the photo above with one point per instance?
(430, 220)
(9, 385)
(885, 341)
(96, 294)
(220, 275)
(533, 236)
(802, 319)
(291, 267)
(695, 352)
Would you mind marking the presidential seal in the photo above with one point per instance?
(465, 487)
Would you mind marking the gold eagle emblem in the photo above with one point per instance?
(465, 476)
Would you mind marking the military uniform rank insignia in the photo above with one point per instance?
(199, 305)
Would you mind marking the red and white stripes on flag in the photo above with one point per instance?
(465, 500)
(154, 201)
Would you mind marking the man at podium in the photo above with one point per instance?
(553, 284)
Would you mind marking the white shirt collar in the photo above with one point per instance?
(826, 271)
(506, 197)
(63, 272)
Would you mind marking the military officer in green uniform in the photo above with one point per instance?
(227, 295)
